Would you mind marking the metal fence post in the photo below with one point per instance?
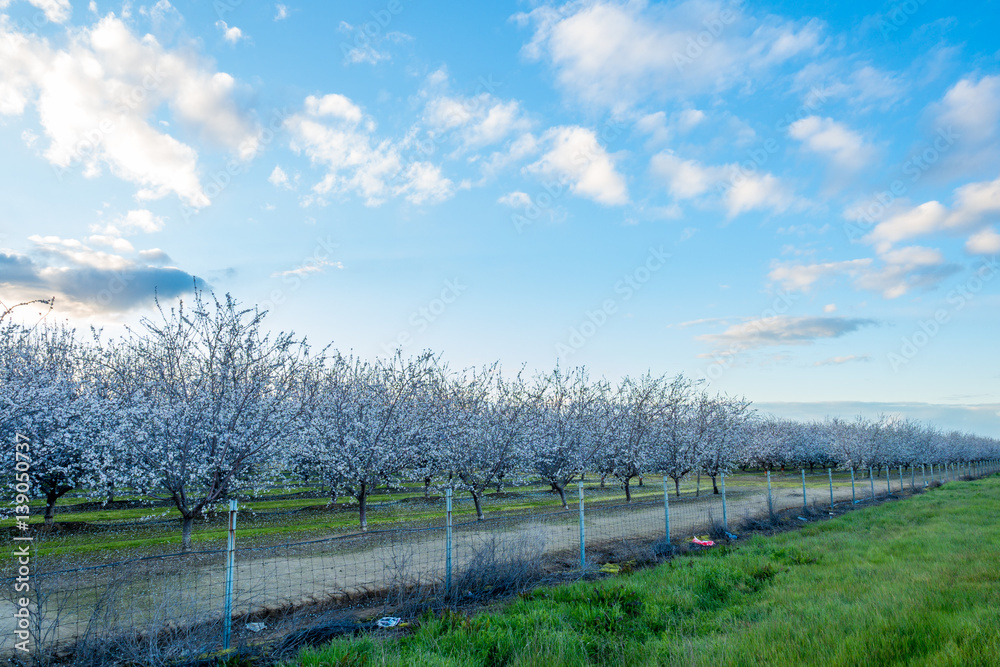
(913, 477)
(900, 479)
(829, 471)
(770, 503)
(805, 504)
(871, 480)
(227, 617)
(854, 497)
(888, 479)
(447, 542)
(583, 531)
(932, 473)
(666, 507)
(923, 475)
(725, 521)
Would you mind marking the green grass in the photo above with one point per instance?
(912, 582)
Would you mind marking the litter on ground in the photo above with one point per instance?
(802, 518)
(731, 536)
(611, 568)
(255, 627)
(388, 621)
(701, 542)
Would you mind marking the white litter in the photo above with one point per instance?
(255, 627)
(388, 621)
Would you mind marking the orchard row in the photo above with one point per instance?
(202, 402)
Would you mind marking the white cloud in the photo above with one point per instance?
(57, 11)
(140, 220)
(516, 199)
(655, 125)
(972, 108)
(897, 273)
(685, 178)
(616, 53)
(333, 132)
(115, 243)
(478, 121)
(783, 330)
(519, 149)
(836, 361)
(280, 12)
(334, 105)
(231, 34)
(923, 219)
(279, 178)
(801, 277)
(974, 208)
(986, 242)
(757, 192)
(316, 266)
(845, 147)
(740, 192)
(97, 98)
(576, 157)
(423, 183)
(78, 253)
(689, 118)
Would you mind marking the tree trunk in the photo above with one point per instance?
(677, 486)
(188, 522)
(811, 466)
(50, 507)
(562, 495)
(427, 487)
(628, 491)
(697, 486)
(602, 480)
(111, 494)
(715, 488)
(363, 505)
(640, 481)
(477, 501)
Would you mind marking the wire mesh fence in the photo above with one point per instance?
(164, 608)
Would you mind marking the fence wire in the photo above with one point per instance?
(164, 608)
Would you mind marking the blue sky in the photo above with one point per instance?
(798, 202)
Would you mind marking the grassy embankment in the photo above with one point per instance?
(914, 582)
